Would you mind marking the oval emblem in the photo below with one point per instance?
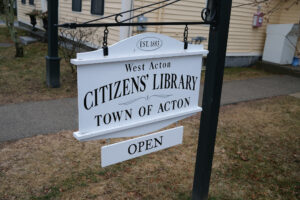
(149, 44)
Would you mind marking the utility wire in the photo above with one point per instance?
(249, 4)
(120, 14)
(149, 11)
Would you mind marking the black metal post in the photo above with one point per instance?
(218, 35)
(52, 60)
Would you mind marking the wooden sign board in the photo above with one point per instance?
(129, 149)
(147, 82)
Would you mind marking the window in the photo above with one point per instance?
(76, 5)
(31, 2)
(23, 1)
(97, 7)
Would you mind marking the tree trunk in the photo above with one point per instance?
(19, 49)
(6, 12)
(10, 20)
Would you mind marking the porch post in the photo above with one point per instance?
(52, 60)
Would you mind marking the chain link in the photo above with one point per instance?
(104, 42)
(106, 31)
(185, 36)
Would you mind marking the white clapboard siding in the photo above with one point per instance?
(112, 6)
(26, 8)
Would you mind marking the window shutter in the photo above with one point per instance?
(76, 5)
(31, 2)
(23, 1)
(97, 7)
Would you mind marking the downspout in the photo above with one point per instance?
(125, 31)
(44, 5)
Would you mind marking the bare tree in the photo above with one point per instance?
(270, 6)
(1, 6)
(72, 41)
(10, 19)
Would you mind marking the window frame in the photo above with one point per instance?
(101, 11)
(23, 1)
(31, 2)
(73, 7)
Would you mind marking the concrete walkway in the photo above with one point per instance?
(33, 118)
(5, 44)
(2, 23)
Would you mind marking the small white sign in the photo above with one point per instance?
(147, 82)
(129, 149)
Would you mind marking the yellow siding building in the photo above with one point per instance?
(244, 40)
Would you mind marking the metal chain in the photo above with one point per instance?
(104, 42)
(185, 36)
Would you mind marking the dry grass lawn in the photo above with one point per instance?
(257, 157)
(242, 73)
(24, 79)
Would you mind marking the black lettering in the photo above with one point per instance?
(142, 89)
(117, 115)
(157, 141)
(188, 82)
(149, 109)
(117, 89)
(173, 103)
(132, 152)
(167, 81)
(194, 81)
(179, 103)
(141, 144)
(173, 82)
(161, 80)
(125, 87)
(103, 92)
(187, 101)
(128, 113)
(160, 109)
(135, 85)
(96, 97)
(98, 119)
(154, 82)
(85, 101)
(142, 111)
(181, 83)
(110, 91)
(167, 108)
(128, 67)
(107, 118)
(148, 144)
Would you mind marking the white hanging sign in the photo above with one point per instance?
(147, 82)
(129, 149)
